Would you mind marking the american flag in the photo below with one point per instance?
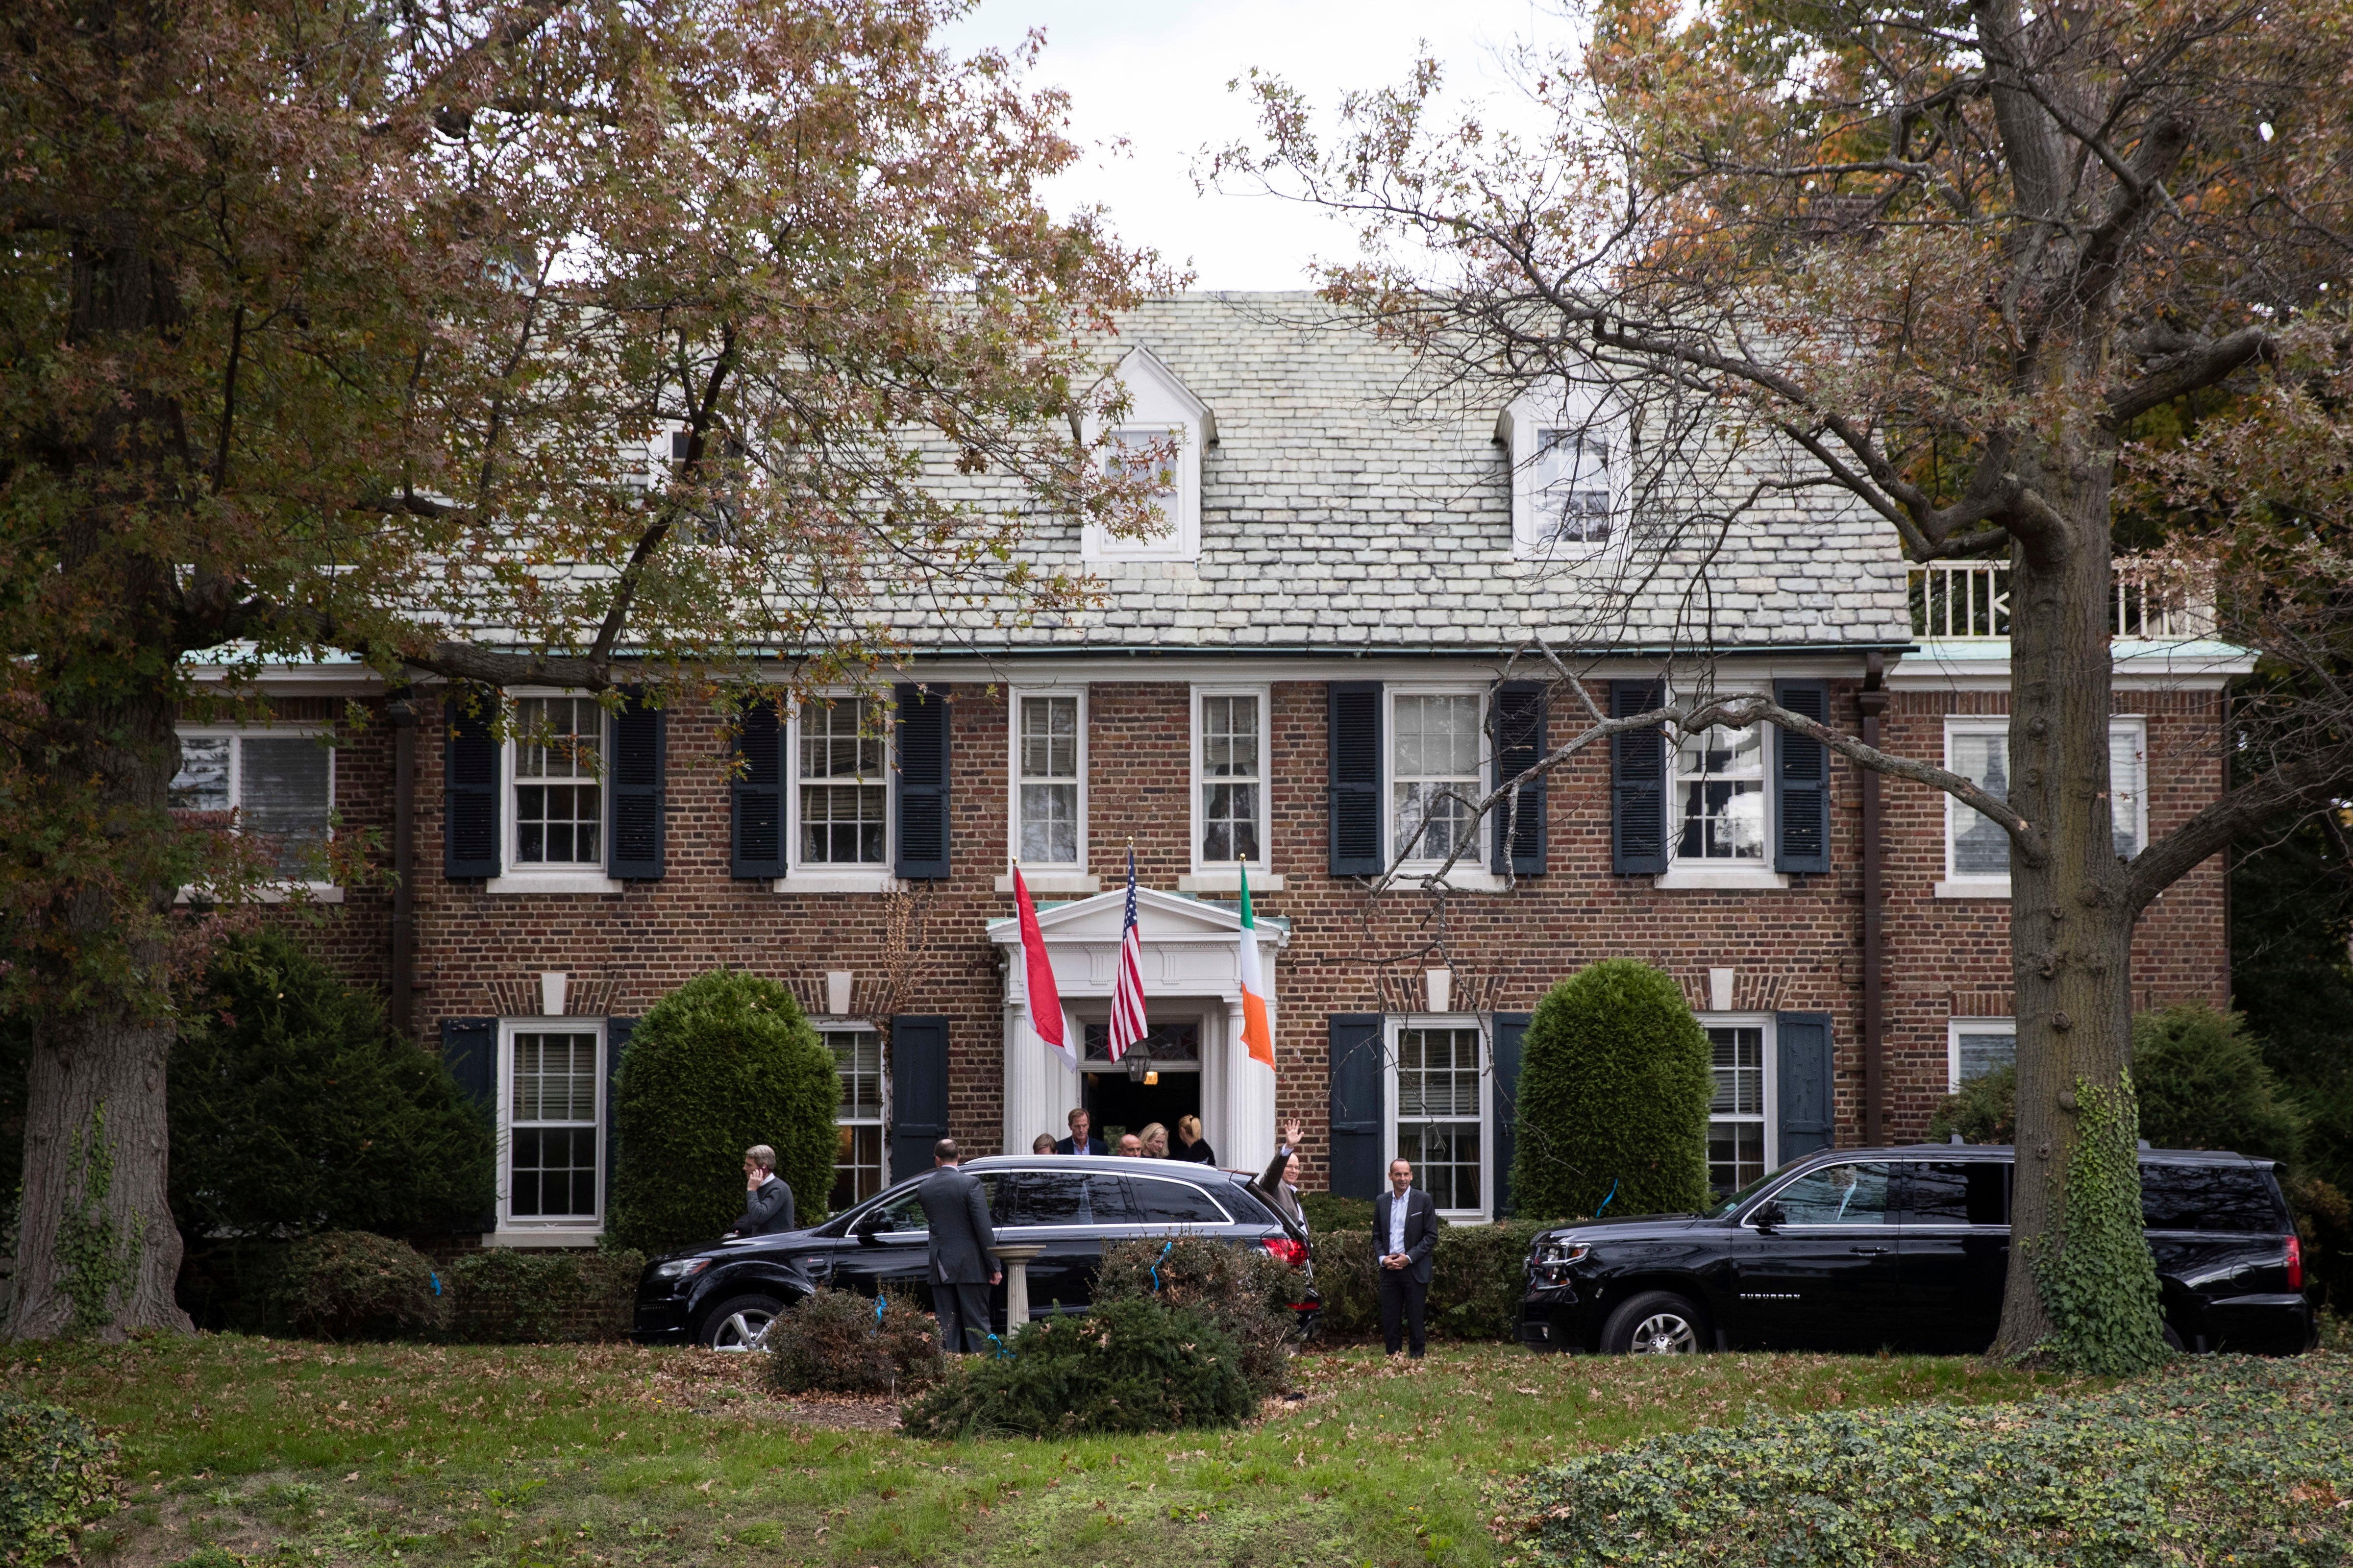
(1127, 995)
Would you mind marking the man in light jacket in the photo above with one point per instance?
(1405, 1228)
(768, 1201)
(957, 1210)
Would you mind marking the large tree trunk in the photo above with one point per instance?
(2074, 1216)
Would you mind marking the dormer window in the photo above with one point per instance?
(1160, 440)
(1569, 482)
(1572, 488)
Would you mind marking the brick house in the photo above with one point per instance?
(1317, 649)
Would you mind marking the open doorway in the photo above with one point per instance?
(1119, 1101)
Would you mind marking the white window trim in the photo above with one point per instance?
(1772, 1089)
(285, 890)
(1958, 887)
(1520, 427)
(1953, 1029)
(1221, 876)
(1180, 538)
(1694, 876)
(1471, 871)
(830, 1024)
(568, 1231)
(1047, 876)
(513, 875)
(1398, 1024)
(827, 878)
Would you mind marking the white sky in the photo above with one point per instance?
(1156, 75)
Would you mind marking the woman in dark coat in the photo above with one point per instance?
(1190, 1144)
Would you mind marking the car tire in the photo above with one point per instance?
(1656, 1322)
(736, 1323)
(2173, 1342)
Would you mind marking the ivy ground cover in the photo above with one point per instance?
(282, 1453)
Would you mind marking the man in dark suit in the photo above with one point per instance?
(957, 1210)
(1405, 1228)
(1078, 1142)
(768, 1205)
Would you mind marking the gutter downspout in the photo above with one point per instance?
(1872, 701)
(404, 843)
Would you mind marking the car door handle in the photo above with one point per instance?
(1870, 1251)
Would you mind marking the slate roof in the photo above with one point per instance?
(1338, 515)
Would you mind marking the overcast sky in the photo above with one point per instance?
(1156, 73)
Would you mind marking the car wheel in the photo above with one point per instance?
(737, 1323)
(2173, 1342)
(1656, 1322)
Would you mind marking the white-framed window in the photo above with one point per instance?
(1437, 769)
(858, 1065)
(279, 781)
(1161, 413)
(1050, 778)
(1976, 850)
(1569, 493)
(1740, 1131)
(840, 798)
(1229, 777)
(551, 1124)
(556, 756)
(1975, 1047)
(1440, 1115)
(1722, 810)
(1572, 491)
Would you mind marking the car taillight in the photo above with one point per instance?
(1292, 1252)
(2295, 1262)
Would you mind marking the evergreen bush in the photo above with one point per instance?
(1478, 1275)
(1984, 1112)
(57, 1475)
(1242, 1291)
(1330, 1211)
(837, 1342)
(502, 1295)
(295, 1109)
(725, 1061)
(2203, 1085)
(1614, 1088)
(349, 1284)
(1128, 1367)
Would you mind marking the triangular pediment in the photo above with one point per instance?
(1159, 918)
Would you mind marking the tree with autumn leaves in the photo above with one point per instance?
(498, 343)
(2013, 281)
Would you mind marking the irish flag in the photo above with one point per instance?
(1255, 1033)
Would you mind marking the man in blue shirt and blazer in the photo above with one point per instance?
(955, 1210)
(1405, 1229)
(1079, 1143)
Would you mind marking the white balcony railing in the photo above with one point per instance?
(1960, 601)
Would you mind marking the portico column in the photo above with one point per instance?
(1038, 1090)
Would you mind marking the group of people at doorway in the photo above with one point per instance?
(1152, 1142)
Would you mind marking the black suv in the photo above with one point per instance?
(724, 1294)
(1908, 1249)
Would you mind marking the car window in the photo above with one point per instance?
(1837, 1194)
(903, 1212)
(1175, 1203)
(1955, 1191)
(2208, 1197)
(1056, 1197)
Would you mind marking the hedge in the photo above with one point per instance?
(1126, 1367)
(504, 1295)
(2203, 1085)
(348, 1284)
(57, 1475)
(1613, 1096)
(1478, 1275)
(723, 1062)
(2221, 1459)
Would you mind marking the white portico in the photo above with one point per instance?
(1192, 988)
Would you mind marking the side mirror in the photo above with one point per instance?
(1768, 1215)
(869, 1224)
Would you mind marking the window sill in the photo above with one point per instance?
(1974, 887)
(568, 1237)
(1053, 882)
(1692, 879)
(282, 893)
(1228, 881)
(814, 879)
(1461, 880)
(553, 882)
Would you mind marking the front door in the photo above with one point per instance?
(1954, 1243)
(1119, 1101)
(1825, 1277)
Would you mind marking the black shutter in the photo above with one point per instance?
(1355, 782)
(919, 1092)
(616, 1040)
(469, 818)
(1638, 783)
(1807, 1103)
(470, 1047)
(1510, 1028)
(1519, 746)
(1803, 781)
(1359, 1086)
(757, 795)
(635, 781)
(922, 736)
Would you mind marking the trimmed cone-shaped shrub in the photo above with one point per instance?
(1245, 1293)
(348, 1284)
(1127, 1367)
(723, 1062)
(1614, 1086)
(837, 1342)
(2203, 1085)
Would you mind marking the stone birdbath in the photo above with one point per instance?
(1015, 1260)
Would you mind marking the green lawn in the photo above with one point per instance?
(285, 1452)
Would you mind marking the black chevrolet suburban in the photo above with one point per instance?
(1905, 1249)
